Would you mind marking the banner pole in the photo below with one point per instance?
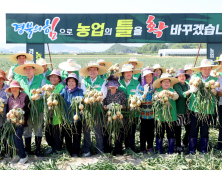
(50, 56)
(197, 55)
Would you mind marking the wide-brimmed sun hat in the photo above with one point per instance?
(164, 76)
(146, 71)
(20, 69)
(84, 71)
(3, 75)
(14, 59)
(69, 65)
(54, 72)
(126, 68)
(14, 83)
(71, 75)
(207, 63)
(220, 59)
(134, 60)
(182, 72)
(108, 64)
(157, 66)
(42, 62)
(112, 81)
(188, 67)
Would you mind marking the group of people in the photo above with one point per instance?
(72, 81)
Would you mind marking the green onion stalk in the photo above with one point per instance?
(76, 108)
(114, 119)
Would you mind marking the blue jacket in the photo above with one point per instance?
(68, 98)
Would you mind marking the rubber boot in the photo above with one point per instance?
(192, 145)
(159, 145)
(132, 144)
(219, 145)
(28, 145)
(203, 145)
(171, 143)
(38, 141)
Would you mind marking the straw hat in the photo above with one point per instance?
(69, 65)
(54, 72)
(188, 67)
(108, 64)
(84, 71)
(14, 83)
(220, 59)
(207, 63)
(157, 66)
(14, 59)
(3, 75)
(164, 76)
(127, 67)
(134, 60)
(42, 62)
(20, 69)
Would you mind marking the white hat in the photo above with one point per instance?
(42, 62)
(127, 67)
(84, 71)
(69, 65)
(220, 59)
(157, 66)
(207, 63)
(134, 60)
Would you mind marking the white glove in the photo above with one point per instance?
(109, 106)
(146, 89)
(2, 100)
(193, 89)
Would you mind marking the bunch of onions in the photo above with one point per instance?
(195, 81)
(16, 116)
(170, 71)
(112, 70)
(93, 96)
(211, 85)
(134, 102)
(48, 89)
(164, 95)
(214, 73)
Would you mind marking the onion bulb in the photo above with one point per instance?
(207, 84)
(76, 117)
(33, 91)
(132, 105)
(217, 84)
(21, 121)
(49, 103)
(195, 83)
(38, 91)
(212, 86)
(2, 105)
(118, 113)
(92, 99)
(16, 113)
(81, 107)
(133, 101)
(212, 82)
(13, 120)
(198, 79)
(138, 103)
(109, 119)
(32, 97)
(165, 99)
(52, 87)
(109, 113)
(55, 102)
(91, 93)
(86, 100)
(100, 93)
(114, 117)
(121, 116)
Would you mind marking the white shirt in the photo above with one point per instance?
(204, 80)
(103, 88)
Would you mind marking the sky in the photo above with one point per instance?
(102, 6)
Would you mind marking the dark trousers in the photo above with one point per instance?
(73, 138)
(57, 138)
(146, 134)
(49, 134)
(160, 131)
(220, 128)
(178, 130)
(118, 141)
(130, 135)
(196, 125)
(19, 141)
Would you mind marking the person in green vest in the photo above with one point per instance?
(204, 73)
(42, 62)
(106, 64)
(220, 63)
(53, 131)
(158, 70)
(70, 66)
(136, 64)
(31, 81)
(183, 118)
(93, 72)
(129, 86)
(166, 82)
(18, 59)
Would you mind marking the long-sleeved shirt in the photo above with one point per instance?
(3, 95)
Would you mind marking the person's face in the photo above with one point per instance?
(71, 83)
(29, 71)
(113, 88)
(21, 59)
(220, 62)
(93, 72)
(165, 84)
(134, 64)
(190, 72)
(1, 82)
(158, 71)
(182, 78)
(69, 72)
(45, 68)
(128, 75)
(54, 79)
(205, 71)
(148, 78)
(15, 90)
(102, 64)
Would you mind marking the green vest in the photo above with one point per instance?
(64, 74)
(36, 84)
(130, 89)
(47, 73)
(173, 104)
(97, 84)
(15, 75)
(57, 119)
(193, 103)
(136, 76)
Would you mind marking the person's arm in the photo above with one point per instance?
(180, 92)
(104, 89)
(175, 96)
